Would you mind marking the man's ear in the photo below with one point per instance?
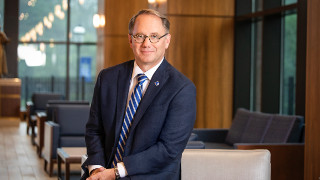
(168, 38)
(130, 40)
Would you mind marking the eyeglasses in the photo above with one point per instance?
(140, 38)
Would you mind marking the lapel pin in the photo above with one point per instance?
(156, 83)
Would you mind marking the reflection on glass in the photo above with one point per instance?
(41, 60)
(41, 68)
(81, 23)
(42, 20)
(83, 60)
(43, 50)
(287, 2)
(289, 64)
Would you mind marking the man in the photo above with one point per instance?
(140, 139)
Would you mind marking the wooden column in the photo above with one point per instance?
(312, 139)
(202, 49)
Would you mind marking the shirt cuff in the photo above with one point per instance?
(92, 167)
(122, 169)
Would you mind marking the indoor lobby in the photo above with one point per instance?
(254, 64)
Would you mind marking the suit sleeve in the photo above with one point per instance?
(174, 135)
(94, 131)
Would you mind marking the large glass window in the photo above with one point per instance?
(49, 59)
(289, 63)
(265, 55)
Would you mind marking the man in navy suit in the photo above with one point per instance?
(163, 121)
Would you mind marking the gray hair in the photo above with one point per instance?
(165, 21)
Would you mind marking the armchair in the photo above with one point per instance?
(38, 104)
(67, 130)
(49, 116)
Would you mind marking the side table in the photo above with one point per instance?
(69, 155)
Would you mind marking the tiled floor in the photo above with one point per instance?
(18, 158)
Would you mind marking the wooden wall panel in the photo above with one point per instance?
(312, 138)
(119, 12)
(202, 49)
(117, 50)
(201, 7)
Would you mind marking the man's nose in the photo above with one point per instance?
(146, 41)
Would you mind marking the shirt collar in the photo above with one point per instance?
(149, 73)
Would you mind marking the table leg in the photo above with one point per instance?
(67, 172)
(59, 166)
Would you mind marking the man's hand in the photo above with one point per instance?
(102, 174)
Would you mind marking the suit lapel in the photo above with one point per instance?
(159, 78)
(124, 77)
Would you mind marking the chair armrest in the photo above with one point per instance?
(41, 119)
(195, 145)
(287, 159)
(51, 140)
(30, 108)
(83, 159)
(211, 135)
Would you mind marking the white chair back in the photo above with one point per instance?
(216, 164)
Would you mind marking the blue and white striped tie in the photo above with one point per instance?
(130, 111)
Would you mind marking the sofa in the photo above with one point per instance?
(254, 127)
(282, 135)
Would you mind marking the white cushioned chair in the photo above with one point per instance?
(217, 164)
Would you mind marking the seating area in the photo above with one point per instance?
(258, 146)
(55, 123)
(282, 135)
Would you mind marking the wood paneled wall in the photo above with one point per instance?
(202, 49)
(312, 138)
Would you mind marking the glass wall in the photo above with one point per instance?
(289, 63)
(56, 53)
(265, 55)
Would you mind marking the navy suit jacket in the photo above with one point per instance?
(160, 128)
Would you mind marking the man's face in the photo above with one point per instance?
(148, 54)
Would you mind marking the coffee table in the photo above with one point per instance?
(69, 155)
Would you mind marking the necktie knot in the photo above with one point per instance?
(142, 78)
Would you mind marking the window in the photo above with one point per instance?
(1, 13)
(57, 53)
(265, 55)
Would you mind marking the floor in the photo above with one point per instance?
(18, 158)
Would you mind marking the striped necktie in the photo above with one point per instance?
(130, 111)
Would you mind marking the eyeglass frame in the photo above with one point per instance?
(145, 36)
